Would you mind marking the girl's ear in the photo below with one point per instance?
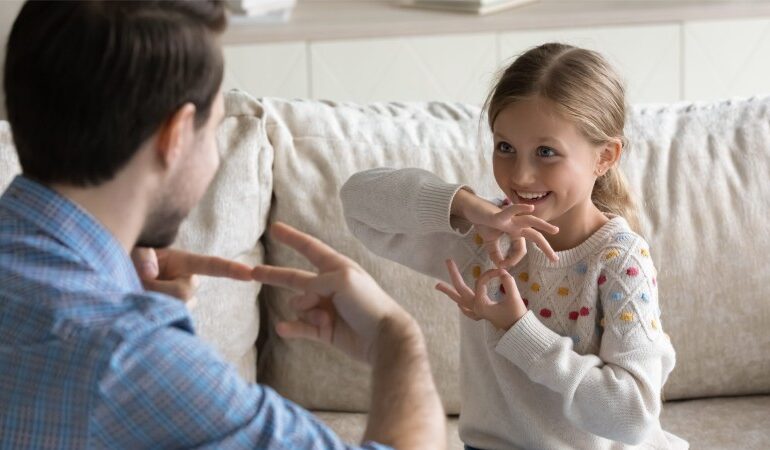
(609, 156)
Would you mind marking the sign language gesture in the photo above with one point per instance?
(492, 223)
(477, 305)
(340, 305)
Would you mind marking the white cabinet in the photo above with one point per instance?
(268, 70)
(452, 67)
(726, 58)
(647, 57)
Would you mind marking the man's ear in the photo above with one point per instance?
(173, 133)
(609, 156)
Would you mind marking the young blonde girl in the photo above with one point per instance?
(561, 340)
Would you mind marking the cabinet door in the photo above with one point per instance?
(448, 68)
(647, 57)
(268, 70)
(724, 59)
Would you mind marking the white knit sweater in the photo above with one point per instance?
(584, 368)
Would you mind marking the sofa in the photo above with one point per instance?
(700, 173)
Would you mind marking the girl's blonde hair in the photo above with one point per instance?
(589, 92)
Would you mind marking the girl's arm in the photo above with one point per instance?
(405, 215)
(617, 393)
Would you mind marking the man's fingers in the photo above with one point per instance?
(318, 253)
(283, 277)
(146, 262)
(539, 240)
(181, 288)
(185, 263)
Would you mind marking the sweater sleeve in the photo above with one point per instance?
(617, 393)
(404, 215)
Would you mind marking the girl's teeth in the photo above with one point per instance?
(531, 196)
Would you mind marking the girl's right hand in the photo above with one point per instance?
(492, 222)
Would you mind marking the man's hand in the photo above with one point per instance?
(477, 305)
(341, 305)
(174, 272)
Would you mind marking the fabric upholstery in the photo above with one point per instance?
(699, 172)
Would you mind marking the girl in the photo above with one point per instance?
(571, 352)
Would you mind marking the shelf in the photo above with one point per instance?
(314, 20)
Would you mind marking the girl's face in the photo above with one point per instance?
(542, 159)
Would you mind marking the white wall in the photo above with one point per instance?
(8, 11)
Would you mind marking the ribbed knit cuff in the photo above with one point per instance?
(526, 341)
(434, 203)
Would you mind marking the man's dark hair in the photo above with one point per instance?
(87, 82)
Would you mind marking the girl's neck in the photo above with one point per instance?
(575, 226)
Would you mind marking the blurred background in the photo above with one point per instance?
(381, 50)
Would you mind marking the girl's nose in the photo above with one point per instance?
(522, 173)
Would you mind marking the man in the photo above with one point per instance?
(114, 108)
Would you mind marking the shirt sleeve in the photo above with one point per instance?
(168, 389)
(617, 393)
(404, 215)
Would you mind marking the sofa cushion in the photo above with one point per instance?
(317, 146)
(228, 222)
(700, 172)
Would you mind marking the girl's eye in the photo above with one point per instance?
(545, 152)
(503, 147)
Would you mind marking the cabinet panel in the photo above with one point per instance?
(268, 70)
(724, 59)
(647, 57)
(447, 68)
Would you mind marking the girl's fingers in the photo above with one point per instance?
(481, 299)
(537, 223)
(304, 302)
(495, 252)
(457, 280)
(450, 292)
(539, 240)
(297, 329)
(469, 314)
(519, 251)
(511, 291)
(514, 210)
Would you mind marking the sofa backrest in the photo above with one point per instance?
(700, 173)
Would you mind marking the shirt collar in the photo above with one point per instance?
(66, 222)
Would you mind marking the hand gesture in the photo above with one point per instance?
(477, 305)
(516, 221)
(174, 272)
(340, 305)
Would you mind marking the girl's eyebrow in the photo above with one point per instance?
(543, 140)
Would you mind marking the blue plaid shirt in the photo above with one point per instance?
(88, 359)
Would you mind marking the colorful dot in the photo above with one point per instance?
(654, 324)
(536, 287)
(584, 311)
(602, 279)
(611, 254)
(502, 289)
(573, 315)
(526, 301)
(645, 297)
(645, 252)
(524, 276)
(623, 237)
(575, 339)
(632, 271)
(581, 268)
(478, 239)
(617, 296)
(545, 312)
(506, 201)
(602, 322)
(476, 271)
(627, 317)
(563, 291)
(654, 281)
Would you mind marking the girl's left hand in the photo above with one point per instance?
(477, 305)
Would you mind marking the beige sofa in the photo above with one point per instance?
(701, 173)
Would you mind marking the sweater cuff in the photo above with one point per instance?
(526, 341)
(434, 203)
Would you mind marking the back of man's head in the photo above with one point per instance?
(87, 82)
